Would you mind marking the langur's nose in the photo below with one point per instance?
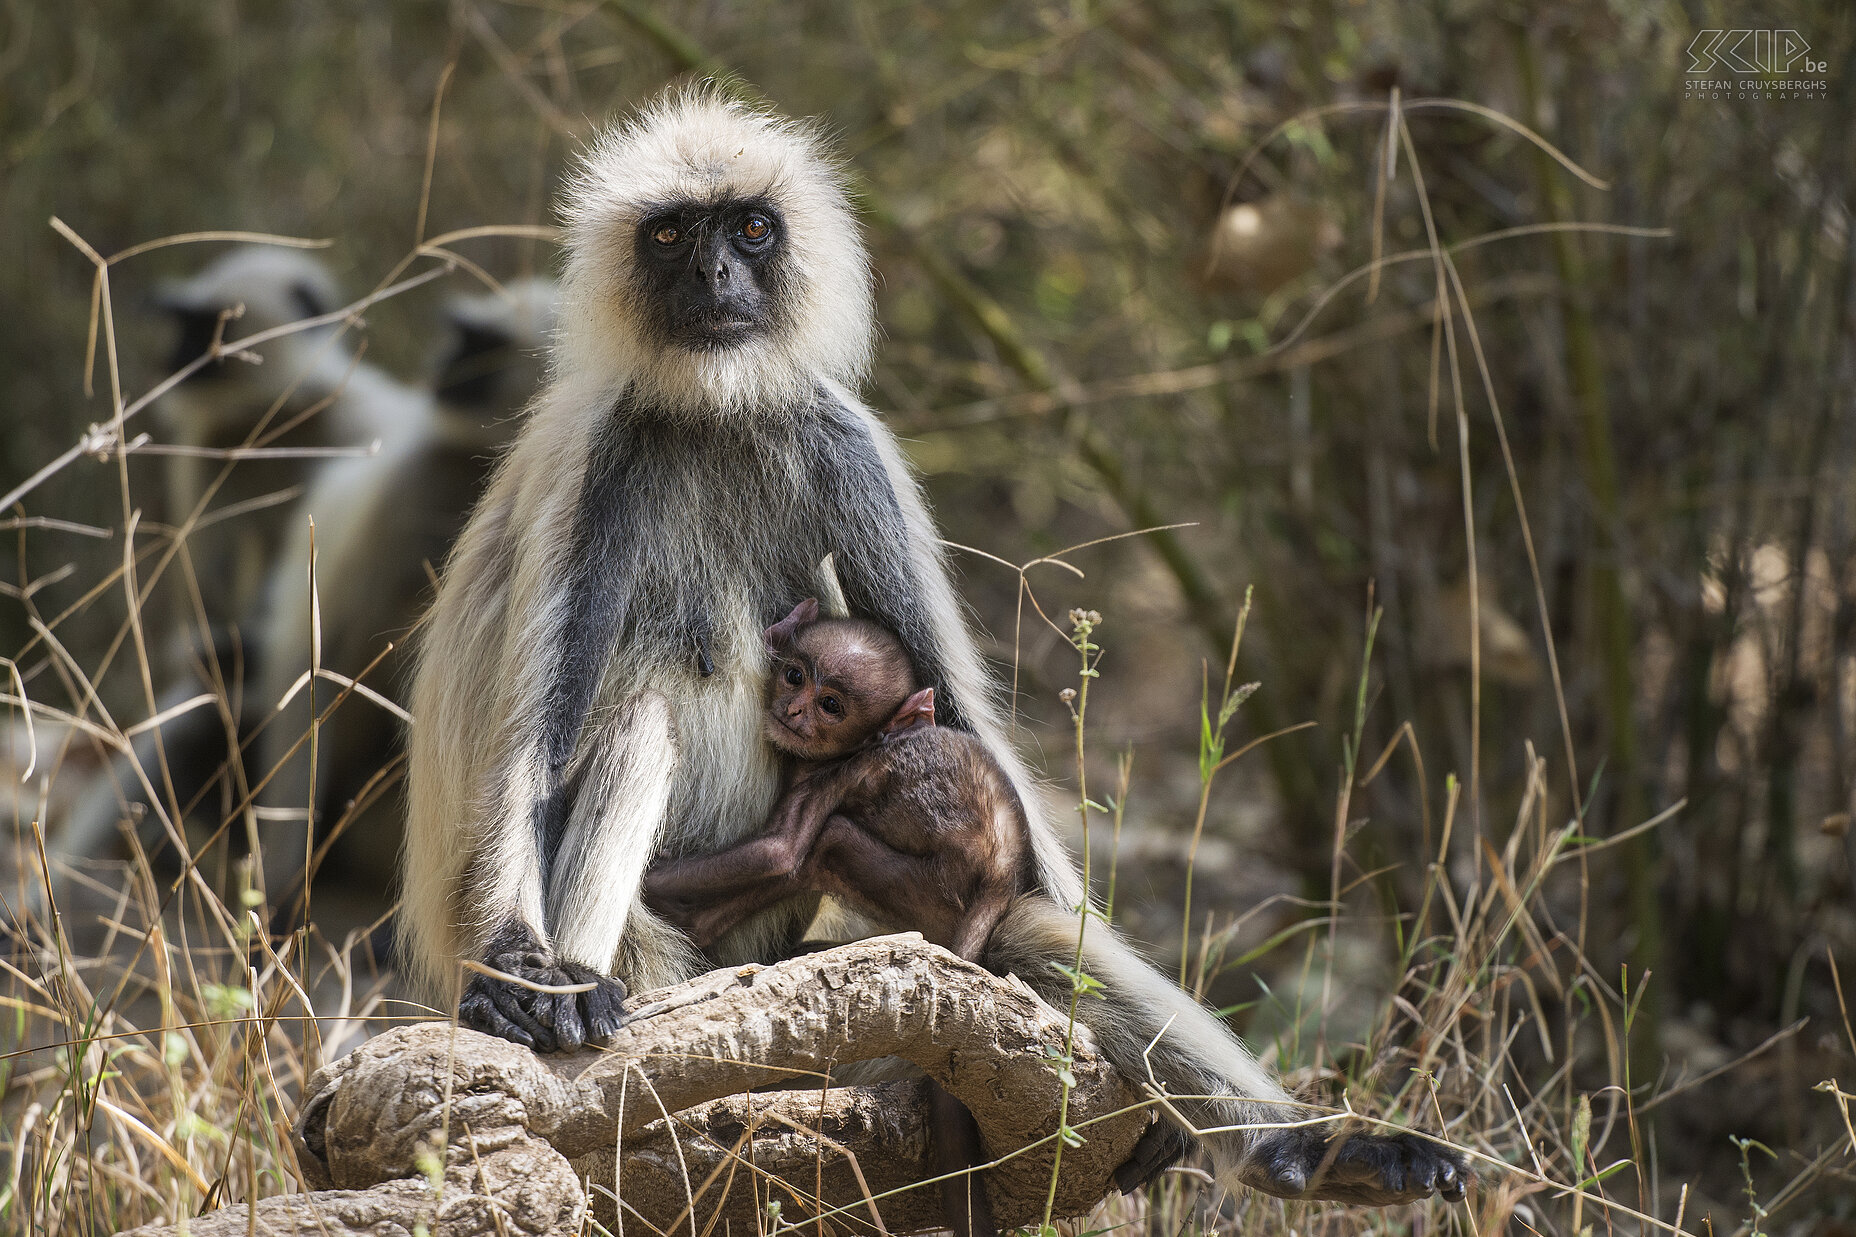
(719, 275)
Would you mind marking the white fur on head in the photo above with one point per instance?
(695, 143)
(276, 284)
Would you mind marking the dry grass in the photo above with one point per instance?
(159, 1039)
(156, 1039)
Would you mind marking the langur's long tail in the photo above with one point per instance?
(1192, 1053)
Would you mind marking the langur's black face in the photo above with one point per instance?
(480, 356)
(712, 272)
(193, 337)
(196, 324)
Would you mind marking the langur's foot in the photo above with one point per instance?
(543, 1021)
(1162, 1146)
(1372, 1170)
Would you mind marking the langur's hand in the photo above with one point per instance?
(543, 1021)
(1162, 1146)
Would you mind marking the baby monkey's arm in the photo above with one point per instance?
(706, 895)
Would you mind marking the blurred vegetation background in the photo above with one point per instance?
(1626, 549)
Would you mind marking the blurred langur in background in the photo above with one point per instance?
(245, 436)
(305, 391)
(382, 530)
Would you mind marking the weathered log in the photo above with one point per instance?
(668, 1115)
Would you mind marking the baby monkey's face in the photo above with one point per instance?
(819, 707)
(837, 683)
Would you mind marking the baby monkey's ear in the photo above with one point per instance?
(917, 710)
(780, 635)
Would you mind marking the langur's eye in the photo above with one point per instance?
(757, 228)
(667, 234)
(830, 705)
(794, 677)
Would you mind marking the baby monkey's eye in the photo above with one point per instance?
(667, 234)
(794, 677)
(830, 705)
(756, 228)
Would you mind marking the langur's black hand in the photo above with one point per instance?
(1374, 1170)
(495, 1007)
(601, 1010)
(542, 1021)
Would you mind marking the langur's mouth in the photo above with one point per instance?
(723, 333)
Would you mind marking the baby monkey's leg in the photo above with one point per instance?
(863, 871)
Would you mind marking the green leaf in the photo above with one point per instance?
(226, 1000)
(1609, 1171)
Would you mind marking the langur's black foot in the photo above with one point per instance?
(543, 1021)
(1162, 1146)
(1371, 1170)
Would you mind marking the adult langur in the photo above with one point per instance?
(591, 689)
(304, 389)
(382, 529)
(304, 397)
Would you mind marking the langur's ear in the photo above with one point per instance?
(917, 710)
(781, 633)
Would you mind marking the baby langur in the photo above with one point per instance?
(909, 823)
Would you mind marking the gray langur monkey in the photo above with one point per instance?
(591, 686)
(304, 389)
(382, 529)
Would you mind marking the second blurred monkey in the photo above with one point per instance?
(382, 530)
(306, 388)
